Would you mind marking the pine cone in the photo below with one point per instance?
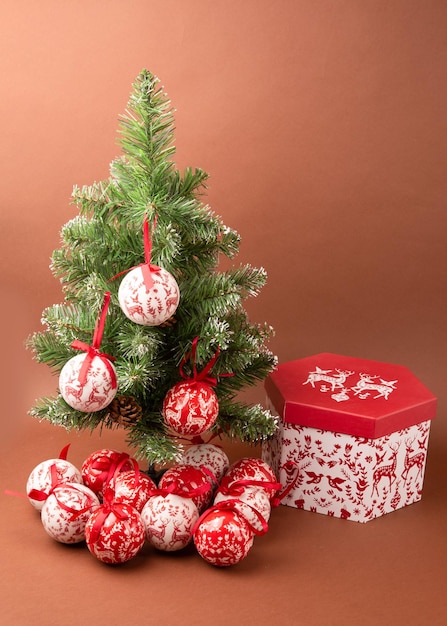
(169, 322)
(125, 410)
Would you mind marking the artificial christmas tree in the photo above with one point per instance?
(149, 218)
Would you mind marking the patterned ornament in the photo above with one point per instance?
(191, 407)
(134, 488)
(47, 475)
(249, 501)
(101, 466)
(148, 294)
(222, 536)
(209, 456)
(189, 482)
(257, 470)
(87, 382)
(66, 511)
(169, 520)
(114, 532)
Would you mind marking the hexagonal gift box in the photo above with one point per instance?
(356, 432)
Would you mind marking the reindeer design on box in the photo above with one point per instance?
(336, 381)
(366, 383)
(387, 471)
(417, 459)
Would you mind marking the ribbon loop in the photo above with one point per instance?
(93, 350)
(202, 376)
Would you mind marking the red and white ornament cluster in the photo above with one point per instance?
(115, 508)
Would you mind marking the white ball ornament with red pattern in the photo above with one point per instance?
(255, 470)
(148, 295)
(169, 520)
(223, 537)
(87, 382)
(207, 455)
(149, 305)
(90, 392)
(114, 533)
(66, 511)
(252, 502)
(46, 475)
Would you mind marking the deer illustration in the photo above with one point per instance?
(388, 471)
(335, 380)
(411, 461)
(366, 383)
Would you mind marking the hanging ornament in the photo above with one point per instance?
(87, 382)
(148, 294)
(191, 406)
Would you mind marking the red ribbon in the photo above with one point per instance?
(147, 267)
(38, 494)
(276, 501)
(179, 488)
(75, 513)
(202, 376)
(109, 506)
(236, 487)
(93, 350)
(231, 505)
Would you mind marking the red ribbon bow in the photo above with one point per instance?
(93, 350)
(202, 376)
(108, 506)
(38, 494)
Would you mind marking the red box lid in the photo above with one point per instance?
(349, 395)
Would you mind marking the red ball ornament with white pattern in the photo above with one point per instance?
(114, 533)
(207, 455)
(134, 488)
(148, 295)
(256, 470)
(47, 475)
(87, 382)
(66, 511)
(103, 465)
(189, 482)
(223, 537)
(169, 520)
(191, 406)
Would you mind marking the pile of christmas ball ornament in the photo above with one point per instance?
(115, 508)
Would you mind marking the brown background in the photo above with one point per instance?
(323, 128)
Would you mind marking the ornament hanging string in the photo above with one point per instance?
(202, 376)
(147, 267)
(93, 350)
